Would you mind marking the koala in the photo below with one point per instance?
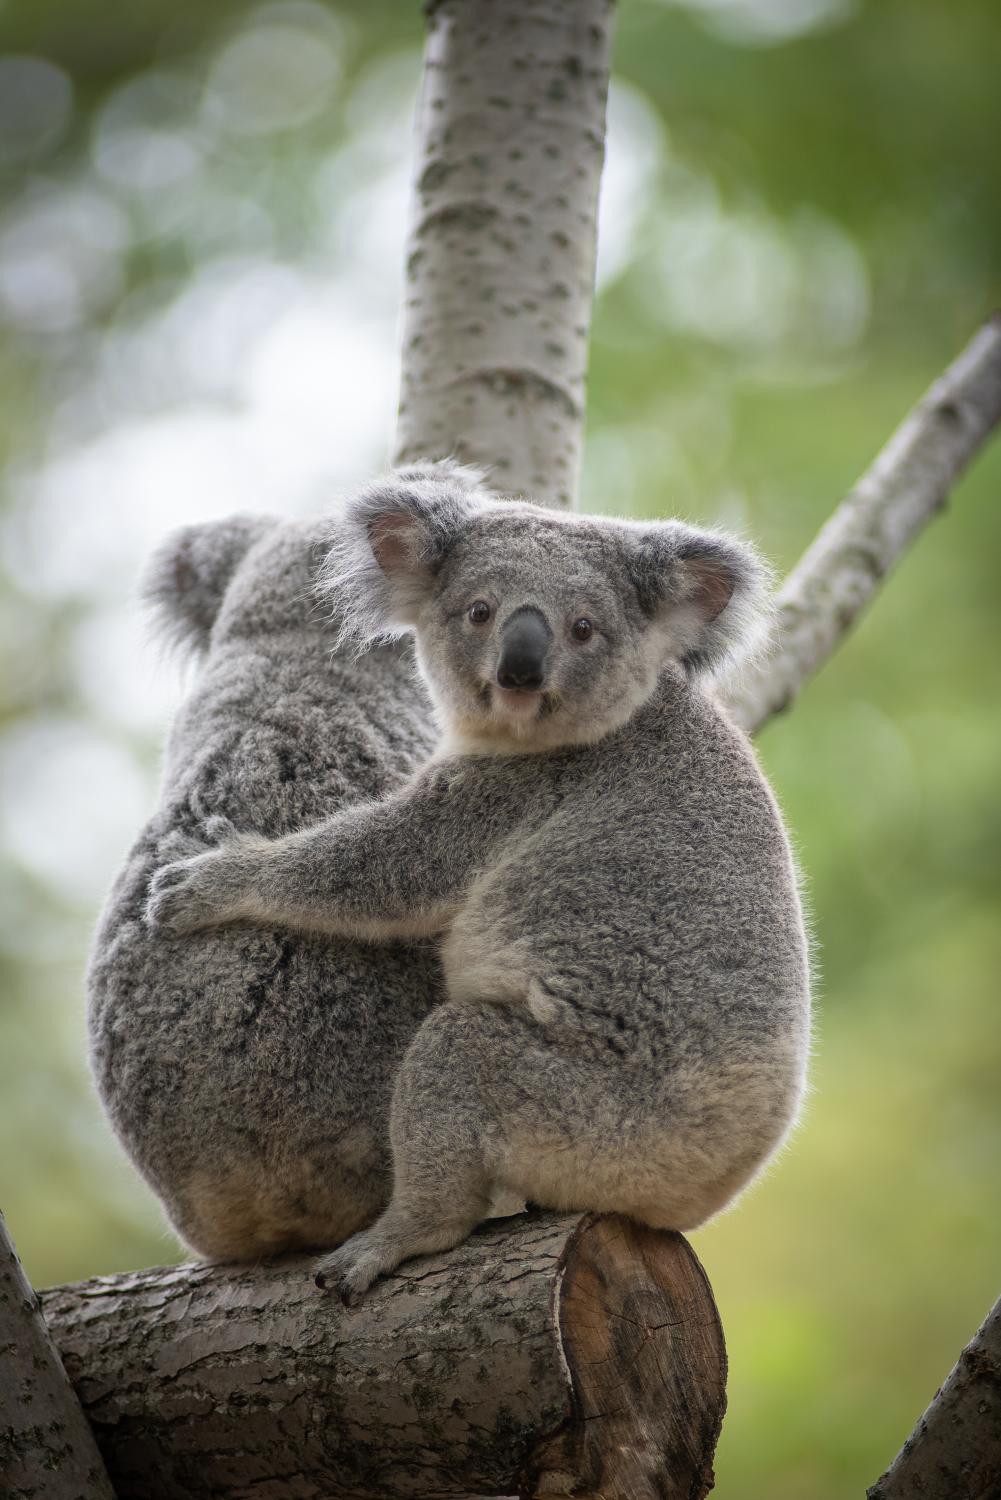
(592, 843)
(247, 1070)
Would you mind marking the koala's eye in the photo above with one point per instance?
(582, 629)
(479, 612)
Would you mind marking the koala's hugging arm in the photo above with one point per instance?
(382, 871)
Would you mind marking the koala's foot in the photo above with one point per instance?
(394, 1237)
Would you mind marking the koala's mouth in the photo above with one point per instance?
(518, 703)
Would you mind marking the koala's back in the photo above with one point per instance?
(248, 1072)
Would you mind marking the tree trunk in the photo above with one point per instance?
(47, 1450)
(954, 1453)
(500, 270)
(541, 1357)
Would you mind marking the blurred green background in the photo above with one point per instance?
(202, 212)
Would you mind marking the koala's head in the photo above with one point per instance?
(534, 628)
(243, 576)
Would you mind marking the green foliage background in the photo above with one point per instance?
(818, 235)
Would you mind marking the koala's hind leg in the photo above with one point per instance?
(475, 1077)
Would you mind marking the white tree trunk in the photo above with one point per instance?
(500, 270)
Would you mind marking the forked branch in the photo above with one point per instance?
(906, 486)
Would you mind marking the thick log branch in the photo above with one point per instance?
(500, 270)
(907, 485)
(541, 1357)
(954, 1453)
(47, 1450)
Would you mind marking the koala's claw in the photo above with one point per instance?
(351, 1270)
(212, 831)
(179, 845)
(217, 829)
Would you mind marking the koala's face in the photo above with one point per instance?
(533, 630)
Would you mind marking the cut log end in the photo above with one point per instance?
(646, 1367)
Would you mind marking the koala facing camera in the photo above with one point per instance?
(627, 991)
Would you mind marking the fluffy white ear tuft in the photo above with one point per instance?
(707, 589)
(386, 548)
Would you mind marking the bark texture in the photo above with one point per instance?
(500, 270)
(906, 486)
(47, 1450)
(954, 1453)
(541, 1357)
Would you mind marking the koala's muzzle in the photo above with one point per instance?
(525, 640)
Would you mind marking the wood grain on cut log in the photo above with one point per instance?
(47, 1450)
(542, 1357)
(954, 1453)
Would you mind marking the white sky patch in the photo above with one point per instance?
(274, 76)
(310, 411)
(70, 804)
(634, 153)
(121, 674)
(744, 279)
(60, 256)
(766, 22)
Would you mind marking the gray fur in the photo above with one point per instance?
(248, 1070)
(626, 1023)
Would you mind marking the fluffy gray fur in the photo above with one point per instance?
(247, 1069)
(626, 1022)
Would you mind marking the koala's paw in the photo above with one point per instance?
(188, 894)
(178, 845)
(351, 1270)
(219, 830)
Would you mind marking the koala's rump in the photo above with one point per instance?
(248, 1071)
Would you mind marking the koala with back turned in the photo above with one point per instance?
(626, 1021)
(246, 1070)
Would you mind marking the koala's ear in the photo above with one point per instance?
(187, 576)
(387, 548)
(706, 589)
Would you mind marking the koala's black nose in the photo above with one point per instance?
(525, 641)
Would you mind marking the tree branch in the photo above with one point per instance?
(907, 485)
(500, 269)
(954, 1453)
(47, 1450)
(542, 1356)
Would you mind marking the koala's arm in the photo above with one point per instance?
(383, 871)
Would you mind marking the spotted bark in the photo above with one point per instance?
(541, 1357)
(47, 1450)
(500, 269)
